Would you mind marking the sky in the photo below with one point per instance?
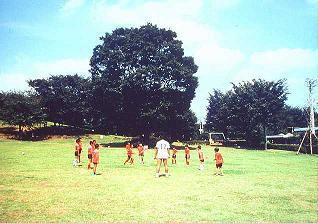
(231, 40)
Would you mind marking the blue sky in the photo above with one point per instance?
(230, 40)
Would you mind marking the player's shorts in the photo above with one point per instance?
(141, 154)
(174, 156)
(80, 151)
(76, 153)
(187, 156)
(218, 165)
(129, 156)
(90, 156)
(95, 163)
(202, 161)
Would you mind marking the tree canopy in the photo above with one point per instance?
(64, 98)
(142, 82)
(20, 108)
(249, 110)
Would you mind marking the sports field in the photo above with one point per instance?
(258, 186)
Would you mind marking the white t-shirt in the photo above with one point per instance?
(162, 146)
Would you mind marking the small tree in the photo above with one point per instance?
(21, 109)
(249, 109)
(64, 98)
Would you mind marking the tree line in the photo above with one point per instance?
(141, 83)
(251, 110)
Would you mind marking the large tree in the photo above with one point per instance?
(142, 82)
(249, 110)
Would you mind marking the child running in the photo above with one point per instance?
(129, 151)
(95, 156)
(174, 155)
(141, 153)
(187, 154)
(218, 162)
(90, 154)
(201, 158)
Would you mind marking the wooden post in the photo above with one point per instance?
(301, 143)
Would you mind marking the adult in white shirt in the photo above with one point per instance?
(162, 153)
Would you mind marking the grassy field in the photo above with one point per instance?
(258, 186)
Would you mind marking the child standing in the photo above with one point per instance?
(201, 158)
(95, 157)
(141, 153)
(218, 162)
(90, 154)
(187, 154)
(129, 154)
(174, 155)
(77, 149)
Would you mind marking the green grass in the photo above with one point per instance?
(258, 186)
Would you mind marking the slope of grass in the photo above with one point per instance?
(258, 186)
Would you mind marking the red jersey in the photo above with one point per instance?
(95, 156)
(90, 150)
(78, 147)
(140, 149)
(187, 151)
(218, 158)
(129, 149)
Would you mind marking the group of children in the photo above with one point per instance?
(93, 156)
(141, 153)
(217, 157)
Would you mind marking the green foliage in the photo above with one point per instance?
(248, 110)
(65, 99)
(142, 82)
(20, 108)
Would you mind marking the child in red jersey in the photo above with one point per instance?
(129, 151)
(78, 149)
(174, 155)
(187, 154)
(218, 162)
(141, 153)
(95, 157)
(201, 158)
(90, 154)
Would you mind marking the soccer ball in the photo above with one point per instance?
(23, 153)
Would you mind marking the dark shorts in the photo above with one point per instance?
(90, 156)
(95, 163)
(187, 156)
(174, 156)
(218, 165)
(202, 161)
(141, 154)
(80, 151)
(129, 156)
(76, 153)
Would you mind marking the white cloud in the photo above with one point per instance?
(63, 66)
(224, 4)
(13, 81)
(280, 63)
(312, 2)
(18, 80)
(71, 5)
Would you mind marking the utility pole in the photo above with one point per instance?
(311, 83)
